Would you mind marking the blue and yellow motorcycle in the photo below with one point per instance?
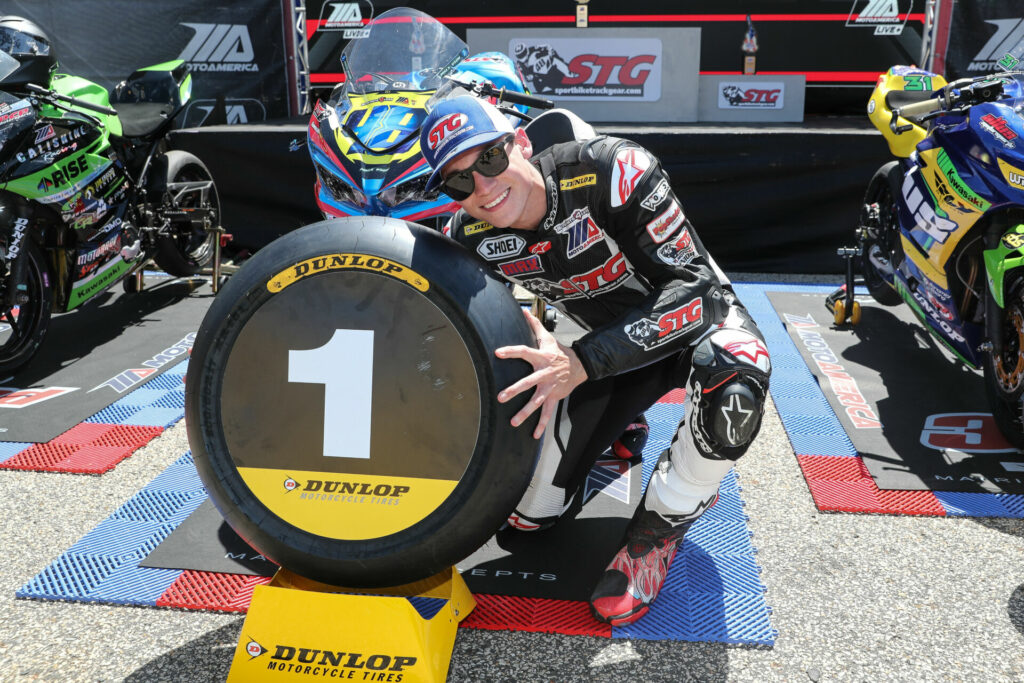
(942, 226)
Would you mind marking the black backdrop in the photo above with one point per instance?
(763, 198)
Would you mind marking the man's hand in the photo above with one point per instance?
(556, 372)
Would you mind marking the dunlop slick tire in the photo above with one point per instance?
(482, 311)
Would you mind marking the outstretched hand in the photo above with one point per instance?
(556, 372)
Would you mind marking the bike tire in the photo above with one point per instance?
(187, 250)
(880, 191)
(465, 301)
(16, 354)
(1004, 399)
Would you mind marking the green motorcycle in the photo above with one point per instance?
(89, 192)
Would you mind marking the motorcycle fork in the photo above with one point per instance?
(11, 214)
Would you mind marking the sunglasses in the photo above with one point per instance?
(492, 161)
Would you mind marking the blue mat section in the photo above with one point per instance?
(713, 591)
(101, 567)
(810, 423)
(160, 402)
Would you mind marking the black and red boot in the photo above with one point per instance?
(636, 574)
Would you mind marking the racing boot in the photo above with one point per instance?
(630, 444)
(636, 574)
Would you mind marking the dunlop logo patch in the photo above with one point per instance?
(327, 262)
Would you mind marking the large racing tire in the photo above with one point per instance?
(23, 329)
(1004, 373)
(881, 191)
(341, 408)
(187, 248)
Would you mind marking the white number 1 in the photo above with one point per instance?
(344, 365)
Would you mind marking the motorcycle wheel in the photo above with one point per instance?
(1004, 375)
(880, 192)
(20, 341)
(187, 249)
(259, 443)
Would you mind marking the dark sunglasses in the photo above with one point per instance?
(492, 162)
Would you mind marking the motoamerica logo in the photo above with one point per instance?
(329, 663)
(219, 47)
(1008, 34)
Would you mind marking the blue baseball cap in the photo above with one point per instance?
(456, 125)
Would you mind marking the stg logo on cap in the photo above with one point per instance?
(447, 125)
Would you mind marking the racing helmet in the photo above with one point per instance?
(31, 47)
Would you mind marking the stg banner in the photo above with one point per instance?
(235, 51)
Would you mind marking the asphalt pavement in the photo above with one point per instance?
(855, 597)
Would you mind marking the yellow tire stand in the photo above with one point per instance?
(316, 631)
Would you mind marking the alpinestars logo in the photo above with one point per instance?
(1009, 33)
(219, 47)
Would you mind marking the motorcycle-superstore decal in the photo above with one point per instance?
(329, 262)
(381, 120)
(346, 506)
(1014, 176)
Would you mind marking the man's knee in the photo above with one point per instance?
(729, 378)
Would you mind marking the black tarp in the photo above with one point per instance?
(769, 198)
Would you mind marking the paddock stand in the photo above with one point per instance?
(841, 302)
(135, 281)
(315, 631)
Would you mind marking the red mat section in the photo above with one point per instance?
(233, 593)
(844, 485)
(87, 448)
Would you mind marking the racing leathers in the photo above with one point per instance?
(616, 254)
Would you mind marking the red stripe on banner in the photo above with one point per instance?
(812, 76)
(326, 78)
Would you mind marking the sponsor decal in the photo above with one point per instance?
(15, 114)
(331, 664)
(749, 351)
(445, 128)
(355, 488)
(744, 95)
(494, 248)
(254, 649)
(605, 277)
(474, 228)
(925, 217)
(871, 106)
(12, 397)
(578, 182)
(997, 127)
(581, 232)
(885, 16)
(328, 262)
(219, 48)
(582, 69)
(971, 432)
(948, 178)
(540, 247)
(48, 142)
(649, 333)
(290, 484)
(530, 264)
(87, 287)
(934, 311)
(1013, 240)
(346, 17)
(545, 289)
(630, 165)
(662, 227)
(679, 251)
(20, 226)
(107, 247)
(844, 387)
(657, 196)
(64, 174)
(611, 477)
(1008, 34)
(1014, 176)
(503, 573)
(236, 110)
(134, 376)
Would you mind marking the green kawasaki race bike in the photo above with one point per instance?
(88, 193)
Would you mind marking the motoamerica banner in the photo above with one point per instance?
(980, 33)
(235, 51)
